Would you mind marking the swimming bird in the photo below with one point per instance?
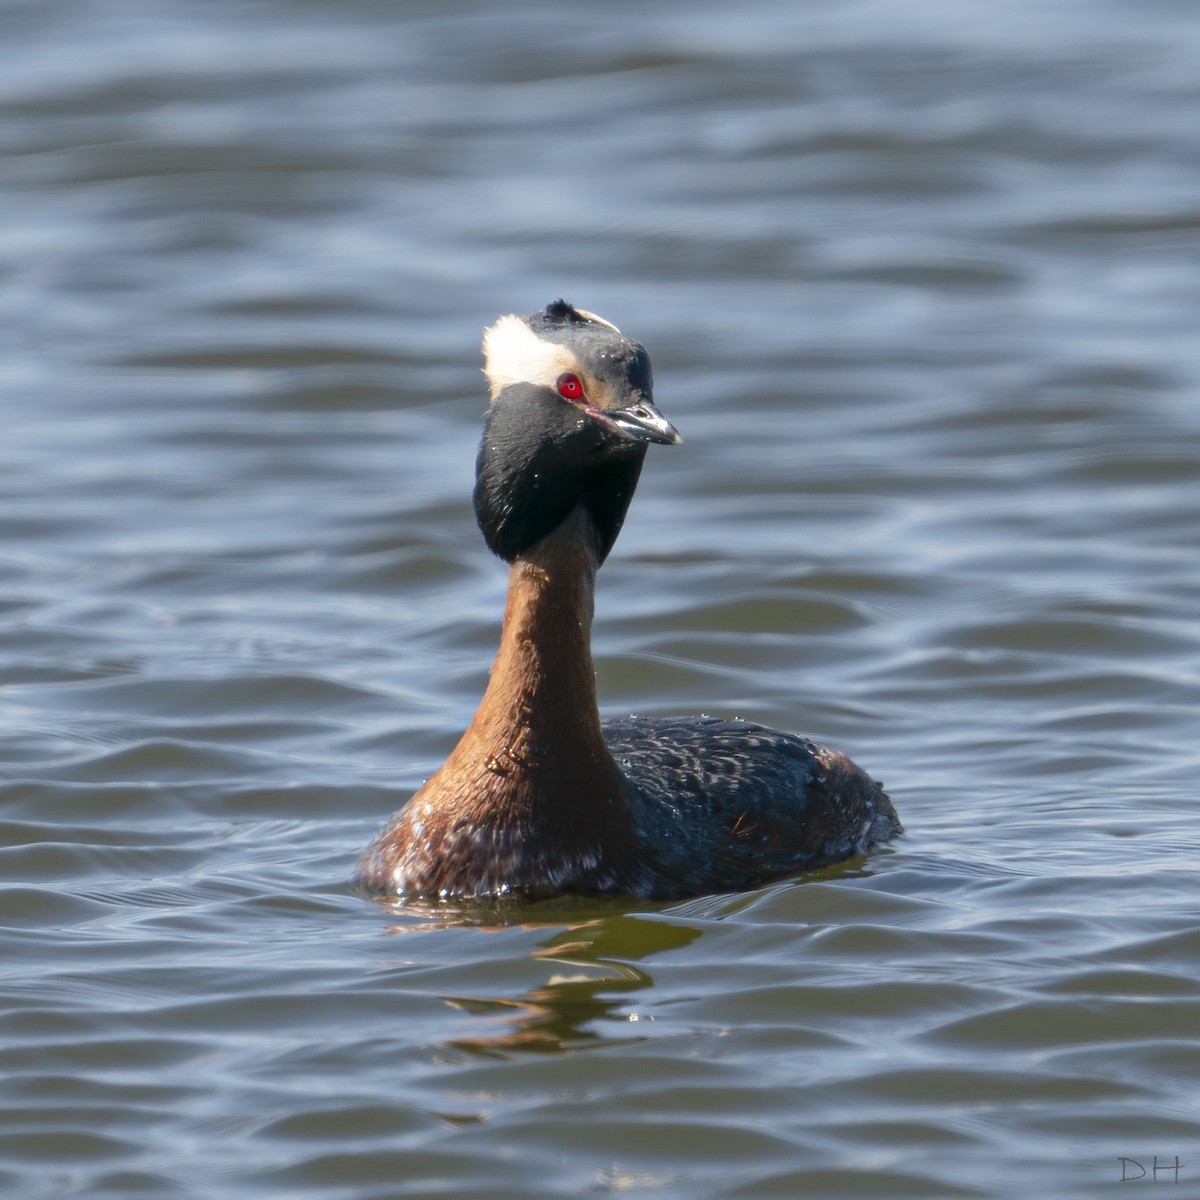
(540, 796)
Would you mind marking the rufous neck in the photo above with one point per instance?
(542, 689)
(533, 767)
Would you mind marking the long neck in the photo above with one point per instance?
(534, 757)
(540, 703)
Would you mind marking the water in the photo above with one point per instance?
(921, 287)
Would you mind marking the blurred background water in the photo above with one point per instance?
(921, 283)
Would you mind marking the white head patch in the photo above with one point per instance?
(513, 353)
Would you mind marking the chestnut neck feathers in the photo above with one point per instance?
(531, 794)
(535, 737)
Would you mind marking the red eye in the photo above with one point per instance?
(569, 387)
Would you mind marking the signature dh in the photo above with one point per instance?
(1166, 1171)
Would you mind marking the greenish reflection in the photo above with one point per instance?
(598, 957)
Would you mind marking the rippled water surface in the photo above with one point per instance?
(922, 285)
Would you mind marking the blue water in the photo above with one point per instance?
(920, 284)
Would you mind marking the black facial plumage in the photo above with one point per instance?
(541, 456)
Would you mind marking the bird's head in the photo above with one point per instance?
(571, 414)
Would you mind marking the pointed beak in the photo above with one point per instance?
(642, 422)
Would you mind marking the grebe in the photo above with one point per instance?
(539, 794)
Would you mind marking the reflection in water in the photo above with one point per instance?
(549, 1019)
(591, 977)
